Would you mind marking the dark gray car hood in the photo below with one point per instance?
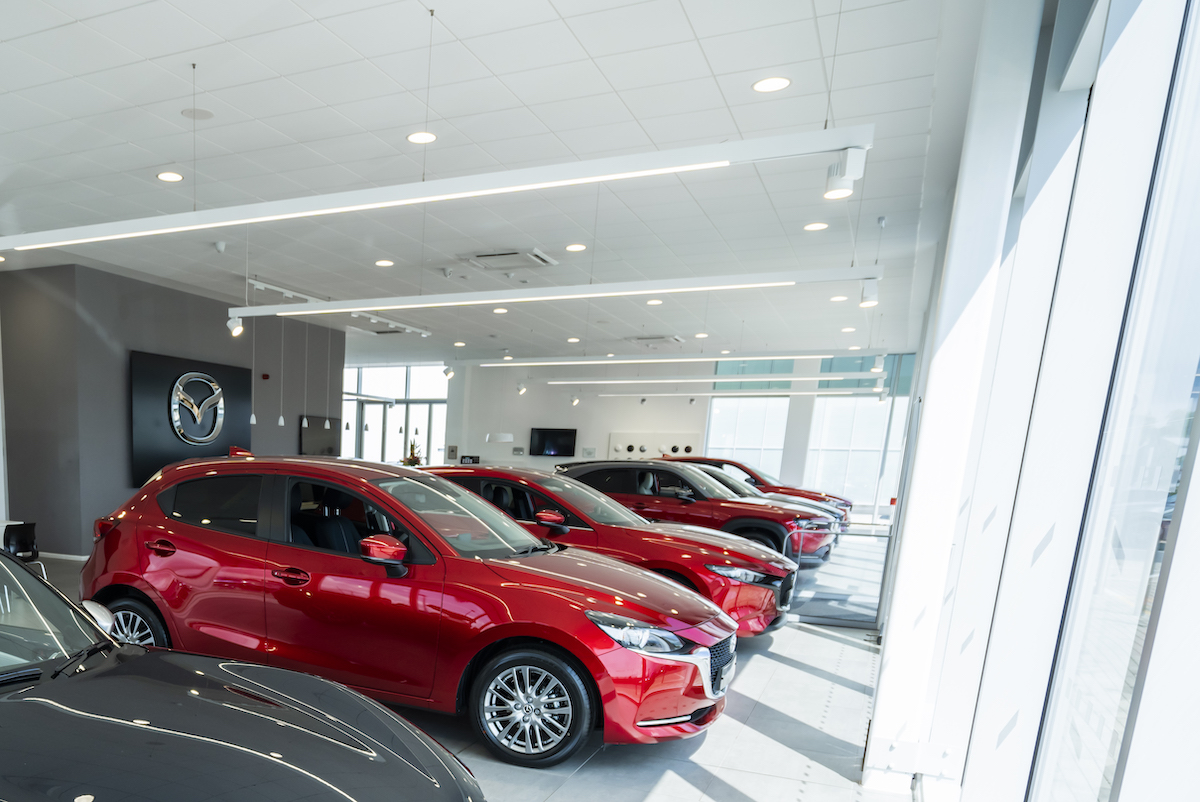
(160, 725)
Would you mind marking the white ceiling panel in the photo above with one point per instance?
(715, 123)
(496, 125)
(528, 148)
(884, 64)
(601, 110)
(20, 69)
(23, 17)
(536, 46)
(882, 25)
(18, 113)
(298, 49)
(449, 63)
(313, 124)
(561, 82)
(620, 30)
(357, 80)
(466, 21)
(234, 19)
(141, 29)
(762, 47)
(699, 94)
(217, 66)
(267, 98)
(715, 17)
(387, 112)
(656, 65)
(77, 49)
(140, 82)
(471, 97)
(385, 28)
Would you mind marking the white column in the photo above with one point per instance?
(961, 327)
(3, 446)
(799, 426)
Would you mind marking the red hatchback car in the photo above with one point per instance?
(671, 491)
(764, 481)
(413, 590)
(750, 583)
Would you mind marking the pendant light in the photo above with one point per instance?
(282, 352)
(304, 417)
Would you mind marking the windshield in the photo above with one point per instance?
(591, 503)
(767, 478)
(737, 488)
(704, 483)
(36, 625)
(472, 526)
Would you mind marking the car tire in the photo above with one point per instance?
(761, 538)
(531, 708)
(138, 623)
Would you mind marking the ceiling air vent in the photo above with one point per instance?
(654, 341)
(509, 259)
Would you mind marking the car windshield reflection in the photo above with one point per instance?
(472, 526)
(36, 625)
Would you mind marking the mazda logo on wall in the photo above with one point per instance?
(215, 402)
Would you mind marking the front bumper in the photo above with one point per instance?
(667, 697)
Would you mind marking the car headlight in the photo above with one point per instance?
(740, 574)
(636, 635)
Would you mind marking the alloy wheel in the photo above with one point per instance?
(129, 627)
(527, 710)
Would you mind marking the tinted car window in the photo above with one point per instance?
(611, 480)
(597, 506)
(227, 503)
(671, 484)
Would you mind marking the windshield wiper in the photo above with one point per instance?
(540, 546)
(83, 654)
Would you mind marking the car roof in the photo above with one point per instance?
(612, 463)
(522, 472)
(354, 468)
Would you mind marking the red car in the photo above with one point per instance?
(750, 583)
(764, 481)
(413, 590)
(672, 491)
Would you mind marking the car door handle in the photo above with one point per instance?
(639, 506)
(163, 548)
(292, 576)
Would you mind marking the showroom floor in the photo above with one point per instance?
(793, 731)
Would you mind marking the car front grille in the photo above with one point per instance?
(785, 591)
(720, 654)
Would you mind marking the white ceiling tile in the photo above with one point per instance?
(461, 160)
(313, 124)
(83, 9)
(883, 25)
(357, 80)
(267, 98)
(657, 65)
(217, 66)
(388, 28)
(77, 49)
(244, 137)
(883, 64)
(527, 48)
(144, 29)
(469, 19)
(287, 158)
(388, 112)
(172, 111)
(452, 62)
(233, 19)
(76, 98)
(123, 158)
(714, 123)
(133, 124)
(620, 30)
(572, 8)
(233, 165)
(353, 147)
(583, 112)
(71, 136)
(504, 124)
(762, 47)
(686, 96)
(20, 69)
(325, 178)
(782, 113)
(806, 76)
(140, 83)
(267, 187)
(17, 113)
(715, 17)
(23, 17)
(297, 49)
(471, 97)
(562, 82)
(882, 98)
(528, 148)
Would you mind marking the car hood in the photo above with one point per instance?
(714, 544)
(596, 582)
(766, 505)
(146, 725)
(819, 507)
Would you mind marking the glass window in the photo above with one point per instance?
(385, 382)
(750, 430)
(350, 380)
(372, 431)
(428, 381)
(671, 484)
(611, 480)
(35, 624)
(349, 428)
(225, 503)
(396, 443)
(595, 505)
(472, 526)
(436, 455)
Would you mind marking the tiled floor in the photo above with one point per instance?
(793, 731)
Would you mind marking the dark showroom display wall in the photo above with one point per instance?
(66, 334)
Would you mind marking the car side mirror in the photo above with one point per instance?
(750, 481)
(685, 497)
(100, 614)
(554, 520)
(384, 550)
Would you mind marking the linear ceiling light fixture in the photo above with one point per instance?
(613, 168)
(731, 394)
(287, 292)
(662, 360)
(724, 377)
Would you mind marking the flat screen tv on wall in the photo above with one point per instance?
(552, 442)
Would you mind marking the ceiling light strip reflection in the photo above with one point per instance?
(724, 377)
(733, 394)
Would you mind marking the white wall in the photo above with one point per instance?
(485, 400)
(3, 449)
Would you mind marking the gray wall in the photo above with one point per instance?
(66, 336)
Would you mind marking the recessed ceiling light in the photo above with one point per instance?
(384, 263)
(701, 336)
(572, 339)
(816, 226)
(170, 176)
(610, 355)
(847, 330)
(725, 352)
(771, 84)
(499, 310)
(839, 298)
(459, 345)
(855, 348)
(654, 302)
(576, 247)
(1, 258)
(421, 138)
(507, 358)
